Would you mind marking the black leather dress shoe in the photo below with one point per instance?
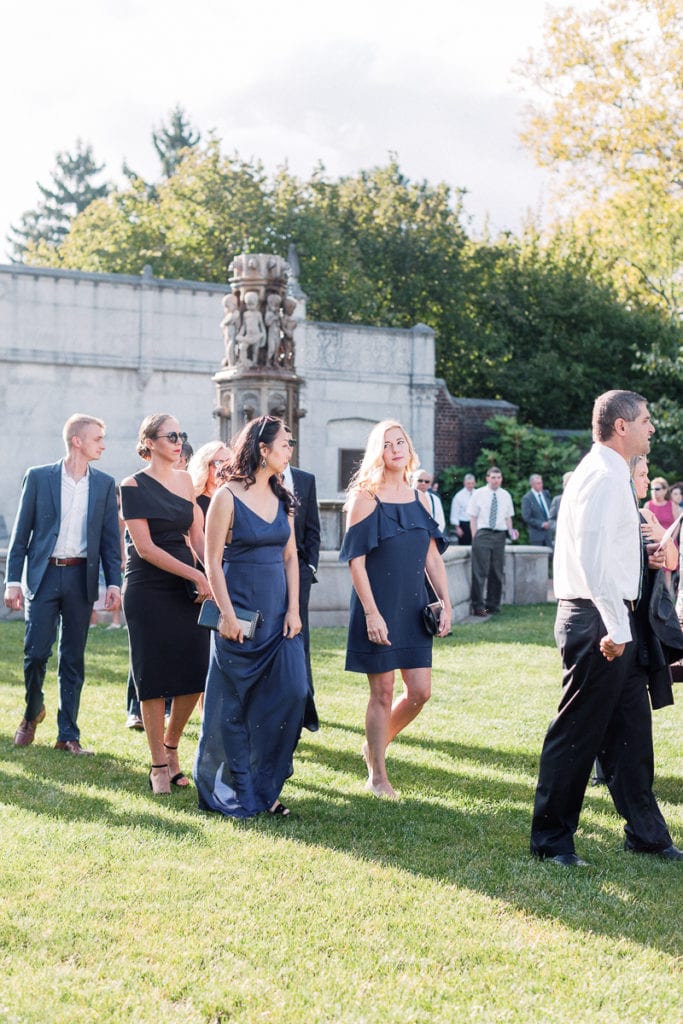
(668, 853)
(568, 860)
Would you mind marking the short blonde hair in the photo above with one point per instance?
(370, 474)
(73, 426)
(198, 466)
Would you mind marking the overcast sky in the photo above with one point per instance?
(305, 81)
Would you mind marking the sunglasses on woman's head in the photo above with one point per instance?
(173, 436)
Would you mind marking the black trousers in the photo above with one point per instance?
(604, 712)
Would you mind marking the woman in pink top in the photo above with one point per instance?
(660, 505)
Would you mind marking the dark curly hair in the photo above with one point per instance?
(246, 456)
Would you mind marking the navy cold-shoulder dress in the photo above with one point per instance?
(394, 539)
(255, 691)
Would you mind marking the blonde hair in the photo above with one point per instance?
(370, 473)
(663, 484)
(198, 466)
(74, 425)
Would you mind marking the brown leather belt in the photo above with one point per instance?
(62, 562)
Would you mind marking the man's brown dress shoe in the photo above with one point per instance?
(72, 747)
(23, 737)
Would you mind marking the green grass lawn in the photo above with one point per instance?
(118, 907)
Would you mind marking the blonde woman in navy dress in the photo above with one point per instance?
(391, 538)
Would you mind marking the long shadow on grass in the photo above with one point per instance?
(459, 824)
(44, 787)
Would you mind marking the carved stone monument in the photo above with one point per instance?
(258, 376)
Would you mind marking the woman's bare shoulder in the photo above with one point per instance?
(361, 505)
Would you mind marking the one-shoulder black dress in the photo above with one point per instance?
(169, 652)
(394, 539)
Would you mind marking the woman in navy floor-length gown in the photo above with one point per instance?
(256, 689)
(391, 540)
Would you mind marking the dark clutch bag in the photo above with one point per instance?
(210, 613)
(431, 613)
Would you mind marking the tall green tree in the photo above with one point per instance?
(606, 115)
(72, 188)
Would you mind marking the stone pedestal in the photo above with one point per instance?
(259, 391)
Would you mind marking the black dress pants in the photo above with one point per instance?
(604, 712)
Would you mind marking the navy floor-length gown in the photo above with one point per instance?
(255, 691)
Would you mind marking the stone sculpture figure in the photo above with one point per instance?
(272, 320)
(230, 325)
(252, 334)
(288, 328)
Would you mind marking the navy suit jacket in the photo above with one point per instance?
(306, 523)
(36, 529)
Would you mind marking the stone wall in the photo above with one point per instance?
(459, 431)
(526, 582)
(120, 347)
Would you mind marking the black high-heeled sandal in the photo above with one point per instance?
(279, 811)
(157, 792)
(177, 779)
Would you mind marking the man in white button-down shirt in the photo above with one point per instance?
(604, 710)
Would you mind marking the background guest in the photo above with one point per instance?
(459, 516)
(491, 511)
(204, 467)
(423, 481)
(307, 533)
(555, 506)
(536, 512)
(659, 503)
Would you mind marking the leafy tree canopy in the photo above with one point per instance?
(607, 117)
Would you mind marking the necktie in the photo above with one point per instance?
(493, 511)
(541, 502)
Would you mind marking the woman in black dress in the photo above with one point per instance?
(391, 538)
(160, 594)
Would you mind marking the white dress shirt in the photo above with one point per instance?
(598, 547)
(437, 510)
(72, 540)
(480, 505)
(459, 506)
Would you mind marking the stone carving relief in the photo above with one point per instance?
(259, 323)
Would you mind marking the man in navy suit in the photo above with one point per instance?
(66, 524)
(307, 532)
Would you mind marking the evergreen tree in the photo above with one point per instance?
(171, 139)
(72, 189)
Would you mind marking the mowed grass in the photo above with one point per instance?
(117, 907)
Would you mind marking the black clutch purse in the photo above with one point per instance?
(210, 613)
(431, 613)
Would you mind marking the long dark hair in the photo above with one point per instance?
(246, 456)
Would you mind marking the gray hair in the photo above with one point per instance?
(613, 406)
(534, 476)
